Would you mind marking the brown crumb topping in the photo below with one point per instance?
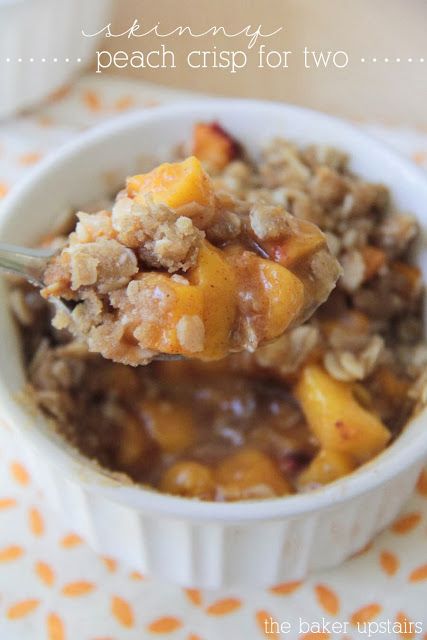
(162, 237)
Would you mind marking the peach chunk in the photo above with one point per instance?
(175, 303)
(196, 312)
(176, 185)
(305, 240)
(214, 146)
(214, 278)
(169, 424)
(326, 467)
(189, 479)
(285, 296)
(269, 294)
(134, 444)
(250, 473)
(339, 422)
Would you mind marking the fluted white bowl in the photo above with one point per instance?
(42, 46)
(187, 541)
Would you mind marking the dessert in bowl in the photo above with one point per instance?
(257, 429)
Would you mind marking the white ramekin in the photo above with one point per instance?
(187, 541)
(41, 46)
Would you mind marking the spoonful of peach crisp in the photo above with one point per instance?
(180, 269)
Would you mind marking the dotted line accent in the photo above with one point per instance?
(41, 60)
(392, 59)
(361, 60)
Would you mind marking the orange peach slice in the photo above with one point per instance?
(214, 146)
(175, 184)
(215, 279)
(339, 422)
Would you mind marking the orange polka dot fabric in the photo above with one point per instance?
(54, 587)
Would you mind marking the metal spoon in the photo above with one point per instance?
(26, 263)
(29, 264)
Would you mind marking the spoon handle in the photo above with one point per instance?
(27, 263)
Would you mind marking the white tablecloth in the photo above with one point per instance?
(53, 586)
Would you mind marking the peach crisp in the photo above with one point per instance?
(180, 268)
(216, 254)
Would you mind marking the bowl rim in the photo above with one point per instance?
(366, 478)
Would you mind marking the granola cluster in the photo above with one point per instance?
(100, 268)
